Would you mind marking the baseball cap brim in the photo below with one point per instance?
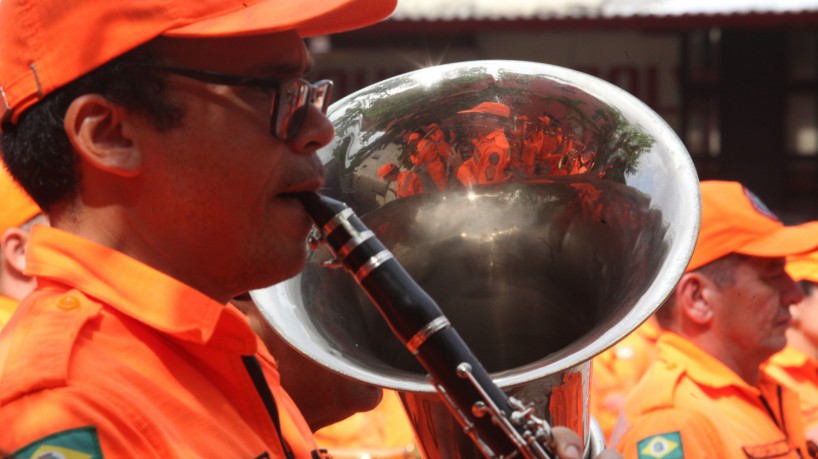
(308, 18)
(48, 43)
(786, 241)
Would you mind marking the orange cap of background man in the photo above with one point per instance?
(734, 220)
(16, 207)
(803, 267)
(384, 170)
(48, 43)
(489, 108)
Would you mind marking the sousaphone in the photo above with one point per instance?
(548, 212)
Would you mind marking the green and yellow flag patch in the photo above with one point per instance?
(662, 446)
(82, 443)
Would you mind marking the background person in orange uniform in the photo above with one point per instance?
(351, 419)
(408, 182)
(797, 365)
(18, 213)
(433, 152)
(617, 370)
(323, 396)
(491, 154)
(382, 433)
(705, 395)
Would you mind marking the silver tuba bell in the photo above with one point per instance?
(548, 213)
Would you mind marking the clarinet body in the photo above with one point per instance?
(501, 426)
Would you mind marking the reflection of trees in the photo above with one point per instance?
(623, 143)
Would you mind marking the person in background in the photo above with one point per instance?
(433, 152)
(350, 419)
(491, 155)
(408, 182)
(705, 394)
(323, 396)
(617, 370)
(18, 213)
(797, 365)
(382, 433)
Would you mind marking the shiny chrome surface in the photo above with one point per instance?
(540, 271)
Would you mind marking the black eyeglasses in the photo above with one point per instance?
(291, 96)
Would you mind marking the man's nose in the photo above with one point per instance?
(792, 292)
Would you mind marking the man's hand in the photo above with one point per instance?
(569, 446)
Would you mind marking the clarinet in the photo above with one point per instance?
(501, 426)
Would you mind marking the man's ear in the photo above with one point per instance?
(95, 126)
(694, 297)
(13, 245)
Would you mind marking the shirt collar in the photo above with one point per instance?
(699, 366)
(137, 290)
(790, 357)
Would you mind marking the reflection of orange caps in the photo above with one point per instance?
(803, 267)
(734, 220)
(412, 137)
(384, 170)
(40, 39)
(490, 108)
(545, 119)
(16, 207)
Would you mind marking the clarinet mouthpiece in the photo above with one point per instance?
(320, 208)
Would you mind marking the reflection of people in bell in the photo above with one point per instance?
(492, 152)
(408, 181)
(533, 139)
(433, 152)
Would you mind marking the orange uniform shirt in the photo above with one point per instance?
(381, 433)
(110, 358)
(434, 153)
(7, 307)
(689, 405)
(490, 161)
(799, 372)
(617, 370)
(409, 184)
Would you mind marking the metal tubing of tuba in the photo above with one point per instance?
(501, 427)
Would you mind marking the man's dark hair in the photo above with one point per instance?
(37, 151)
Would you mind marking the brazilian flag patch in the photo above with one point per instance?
(81, 443)
(662, 446)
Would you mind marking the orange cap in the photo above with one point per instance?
(16, 207)
(47, 43)
(384, 170)
(489, 108)
(803, 267)
(734, 220)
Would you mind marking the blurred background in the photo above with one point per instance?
(736, 79)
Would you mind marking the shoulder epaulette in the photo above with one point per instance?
(35, 352)
(662, 378)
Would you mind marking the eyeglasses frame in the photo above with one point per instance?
(320, 91)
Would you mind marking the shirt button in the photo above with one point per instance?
(68, 303)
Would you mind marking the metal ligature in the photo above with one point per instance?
(507, 221)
